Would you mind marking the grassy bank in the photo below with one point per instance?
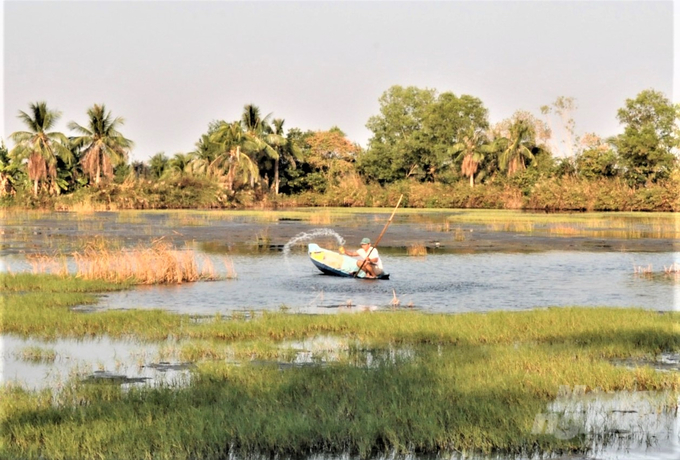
(394, 381)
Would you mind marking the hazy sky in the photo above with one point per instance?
(169, 68)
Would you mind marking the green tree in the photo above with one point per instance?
(397, 148)
(596, 158)
(229, 139)
(104, 147)
(448, 121)
(206, 151)
(470, 151)
(287, 149)
(516, 141)
(8, 171)
(414, 133)
(646, 147)
(158, 164)
(260, 140)
(40, 147)
(180, 163)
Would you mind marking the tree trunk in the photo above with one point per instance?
(98, 175)
(472, 180)
(276, 176)
(35, 187)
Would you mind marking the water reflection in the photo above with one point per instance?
(101, 359)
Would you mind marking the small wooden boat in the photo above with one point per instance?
(335, 264)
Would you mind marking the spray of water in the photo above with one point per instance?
(308, 236)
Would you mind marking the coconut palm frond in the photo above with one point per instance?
(73, 126)
(105, 147)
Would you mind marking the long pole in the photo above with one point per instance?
(374, 245)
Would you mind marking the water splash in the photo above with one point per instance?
(315, 233)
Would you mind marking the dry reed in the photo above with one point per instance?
(417, 250)
(674, 268)
(41, 263)
(158, 264)
(643, 271)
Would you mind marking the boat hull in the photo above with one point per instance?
(335, 264)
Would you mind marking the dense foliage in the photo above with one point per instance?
(423, 143)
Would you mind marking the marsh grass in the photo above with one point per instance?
(390, 382)
(592, 224)
(321, 218)
(262, 239)
(459, 235)
(37, 354)
(46, 283)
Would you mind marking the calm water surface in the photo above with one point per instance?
(447, 283)
(474, 262)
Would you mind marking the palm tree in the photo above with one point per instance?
(181, 163)
(104, 147)
(286, 149)
(229, 139)
(260, 139)
(518, 147)
(8, 171)
(471, 150)
(40, 147)
(158, 164)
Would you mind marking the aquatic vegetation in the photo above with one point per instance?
(159, 263)
(280, 384)
(596, 225)
(37, 354)
(417, 250)
(46, 283)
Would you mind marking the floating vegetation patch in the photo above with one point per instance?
(36, 354)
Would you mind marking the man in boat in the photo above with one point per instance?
(373, 266)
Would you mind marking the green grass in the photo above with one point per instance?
(402, 381)
(25, 282)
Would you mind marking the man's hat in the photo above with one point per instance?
(366, 241)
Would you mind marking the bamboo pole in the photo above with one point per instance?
(373, 246)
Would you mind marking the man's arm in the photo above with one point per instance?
(348, 252)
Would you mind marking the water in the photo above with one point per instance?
(446, 283)
(88, 359)
(470, 267)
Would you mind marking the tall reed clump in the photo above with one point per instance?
(417, 250)
(158, 264)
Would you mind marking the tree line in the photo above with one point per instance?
(419, 135)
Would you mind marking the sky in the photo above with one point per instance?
(169, 68)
